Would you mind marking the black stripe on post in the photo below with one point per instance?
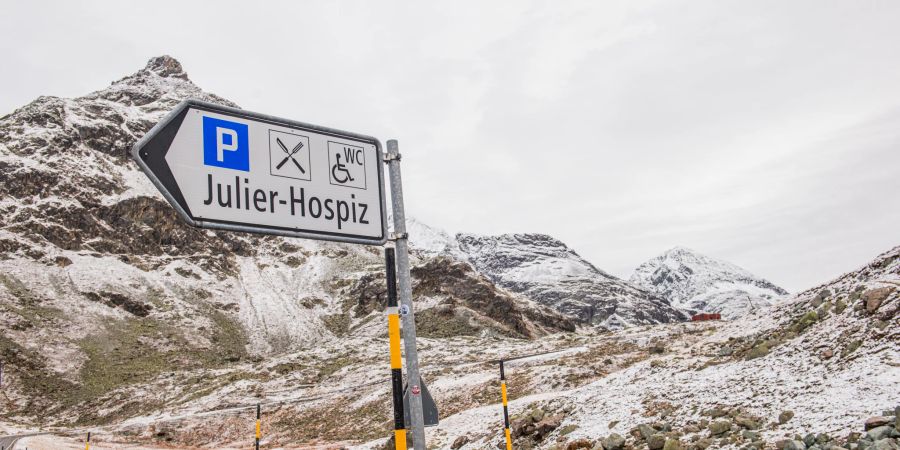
(502, 375)
(391, 274)
(397, 383)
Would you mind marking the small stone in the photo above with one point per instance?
(827, 353)
(691, 428)
(877, 421)
(794, 444)
(459, 442)
(719, 427)
(822, 438)
(726, 351)
(537, 414)
(703, 443)
(614, 442)
(785, 417)
(612, 424)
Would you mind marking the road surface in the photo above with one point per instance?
(7, 442)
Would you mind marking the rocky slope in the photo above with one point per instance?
(698, 283)
(547, 271)
(818, 371)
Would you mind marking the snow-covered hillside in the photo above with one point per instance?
(698, 283)
(549, 272)
(102, 287)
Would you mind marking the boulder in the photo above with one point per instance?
(746, 422)
(614, 442)
(672, 444)
(716, 412)
(656, 442)
(794, 444)
(579, 444)
(886, 444)
(882, 432)
(809, 440)
(646, 431)
(719, 427)
(750, 435)
(548, 424)
(877, 421)
(874, 297)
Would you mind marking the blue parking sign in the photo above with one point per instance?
(225, 144)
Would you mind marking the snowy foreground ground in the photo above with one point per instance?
(602, 382)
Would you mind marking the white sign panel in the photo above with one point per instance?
(230, 169)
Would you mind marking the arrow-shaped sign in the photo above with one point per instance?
(216, 165)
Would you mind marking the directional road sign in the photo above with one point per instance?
(231, 169)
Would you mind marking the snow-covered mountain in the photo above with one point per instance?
(103, 287)
(546, 270)
(697, 283)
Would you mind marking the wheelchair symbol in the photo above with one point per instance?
(339, 167)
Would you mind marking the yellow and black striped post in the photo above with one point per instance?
(394, 340)
(258, 433)
(87, 443)
(505, 407)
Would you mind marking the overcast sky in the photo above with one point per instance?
(766, 133)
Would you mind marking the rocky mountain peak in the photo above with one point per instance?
(166, 66)
(546, 270)
(695, 282)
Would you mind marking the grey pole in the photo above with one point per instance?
(401, 244)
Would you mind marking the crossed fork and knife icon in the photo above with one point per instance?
(290, 155)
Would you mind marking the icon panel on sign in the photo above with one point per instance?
(289, 155)
(346, 165)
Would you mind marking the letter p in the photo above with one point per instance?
(222, 146)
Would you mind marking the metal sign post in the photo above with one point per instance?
(407, 316)
(394, 342)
